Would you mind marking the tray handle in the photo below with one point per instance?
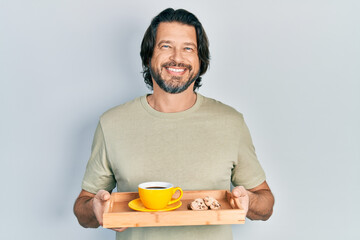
(111, 203)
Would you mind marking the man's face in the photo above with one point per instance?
(175, 63)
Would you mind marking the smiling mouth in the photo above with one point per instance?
(175, 71)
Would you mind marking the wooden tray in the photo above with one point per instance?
(120, 215)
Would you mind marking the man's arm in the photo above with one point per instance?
(89, 208)
(258, 201)
(84, 209)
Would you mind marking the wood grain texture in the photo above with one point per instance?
(120, 215)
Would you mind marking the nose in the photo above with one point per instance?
(176, 55)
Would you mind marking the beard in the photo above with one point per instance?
(174, 85)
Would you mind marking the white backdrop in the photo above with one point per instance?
(291, 67)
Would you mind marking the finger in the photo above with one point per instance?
(236, 192)
(238, 204)
(103, 195)
(119, 229)
(239, 191)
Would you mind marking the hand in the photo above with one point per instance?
(101, 201)
(240, 198)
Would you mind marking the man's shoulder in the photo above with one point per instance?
(122, 110)
(219, 108)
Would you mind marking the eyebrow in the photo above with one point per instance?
(164, 41)
(191, 44)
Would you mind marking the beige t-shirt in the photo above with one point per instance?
(204, 147)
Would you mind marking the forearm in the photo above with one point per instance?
(260, 205)
(83, 209)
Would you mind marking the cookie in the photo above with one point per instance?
(212, 203)
(198, 205)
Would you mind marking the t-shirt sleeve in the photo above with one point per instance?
(247, 171)
(98, 173)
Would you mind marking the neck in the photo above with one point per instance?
(169, 103)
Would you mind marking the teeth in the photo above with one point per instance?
(176, 69)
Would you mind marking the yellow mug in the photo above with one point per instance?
(157, 195)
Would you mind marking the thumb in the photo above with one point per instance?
(103, 195)
(239, 191)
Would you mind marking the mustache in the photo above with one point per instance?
(175, 64)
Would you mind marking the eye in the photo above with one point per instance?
(188, 49)
(165, 46)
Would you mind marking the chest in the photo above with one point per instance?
(191, 155)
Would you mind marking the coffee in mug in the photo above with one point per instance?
(157, 195)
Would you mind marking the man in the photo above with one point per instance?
(174, 135)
